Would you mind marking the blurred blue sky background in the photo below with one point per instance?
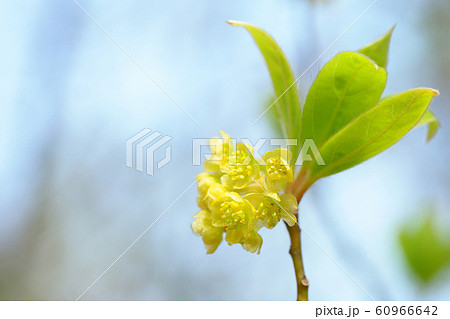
(71, 98)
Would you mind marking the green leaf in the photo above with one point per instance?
(431, 121)
(284, 84)
(274, 117)
(348, 85)
(373, 131)
(378, 50)
(426, 252)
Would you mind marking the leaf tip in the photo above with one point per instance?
(431, 91)
(391, 30)
(233, 22)
(435, 92)
(432, 130)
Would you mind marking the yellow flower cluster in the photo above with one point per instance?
(239, 195)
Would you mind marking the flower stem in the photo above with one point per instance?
(298, 188)
(296, 253)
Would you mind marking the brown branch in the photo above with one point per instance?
(298, 187)
(296, 254)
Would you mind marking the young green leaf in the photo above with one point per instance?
(427, 253)
(283, 80)
(373, 131)
(273, 116)
(378, 50)
(348, 85)
(431, 121)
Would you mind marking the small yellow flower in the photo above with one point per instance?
(221, 148)
(271, 208)
(214, 192)
(240, 169)
(205, 180)
(277, 165)
(235, 214)
(252, 242)
(212, 236)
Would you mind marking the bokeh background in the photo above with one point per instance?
(71, 98)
